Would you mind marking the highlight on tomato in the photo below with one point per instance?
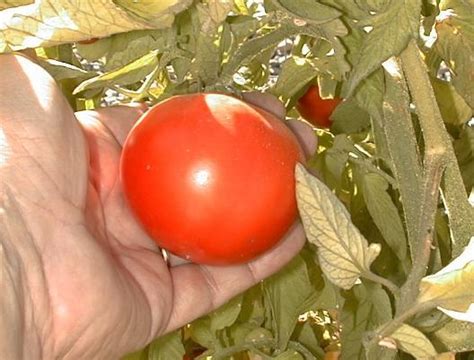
(211, 178)
(315, 109)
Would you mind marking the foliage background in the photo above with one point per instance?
(395, 170)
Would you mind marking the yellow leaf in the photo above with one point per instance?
(52, 22)
(451, 288)
(128, 74)
(12, 3)
(343, 252)
(156, 13)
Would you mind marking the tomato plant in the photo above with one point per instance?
(405, 123)
(316, 109)
(211, 178)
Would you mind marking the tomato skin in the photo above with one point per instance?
(315, 109)
(211, 178)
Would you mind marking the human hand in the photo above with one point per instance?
(85, 281)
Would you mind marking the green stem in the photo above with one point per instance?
(388, 328)
(438, 155)
(394, 289)
(435, 165)
(460, 212)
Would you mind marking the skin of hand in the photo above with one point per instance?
(81, 279)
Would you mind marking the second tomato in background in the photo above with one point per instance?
(315, 109)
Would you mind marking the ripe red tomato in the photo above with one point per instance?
(316, 110)
(211, 178)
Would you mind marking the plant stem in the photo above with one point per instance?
(434, 164)
(460, 212)
(391, 326)
(394, 289)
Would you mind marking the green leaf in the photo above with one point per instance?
(337, 156)
(414, 342)
(454, 336)
(252, 310)
(240, 332)
(290, 355)
(285, 293)
(61, 70)
(207, 63)
(138, 355)
(121, 49)
(296, 74)
(326, 299)
(309, 10)
(464, 148)
(390, 31)
(451, 288)
(400, 137)
(365, 308)
(343, 252)
(200, 332)
(455, 44)
(128, 74)
(454, 109)
(167, 347)
(384, 212)
(226, 315)
(349, 118)
(305, 334)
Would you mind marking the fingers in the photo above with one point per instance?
(270, 103)
(44, 140)
(199, 289)
(118, 119)
(305, 135)
(265, 101)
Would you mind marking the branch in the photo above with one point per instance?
(461, 214)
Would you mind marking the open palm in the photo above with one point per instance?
(93, 284)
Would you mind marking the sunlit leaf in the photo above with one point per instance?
(39, 24)
(156, 13)
(129, 74)
(12, 3)
(388, 34)
(451, 288)
(60, 70)
(343, 252)
(296, 73)
(455, 44)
